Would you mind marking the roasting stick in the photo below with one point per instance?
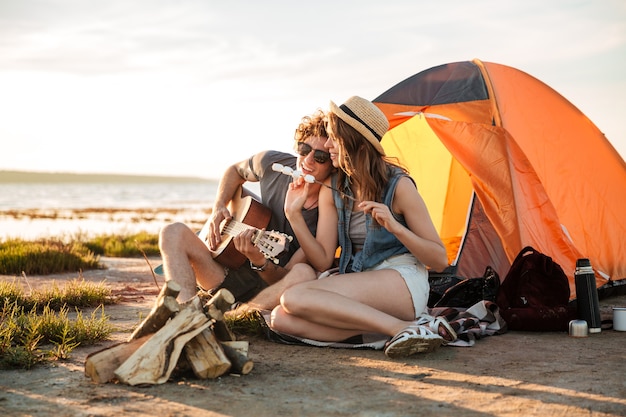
(307, 178)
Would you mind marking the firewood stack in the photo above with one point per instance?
(190, 334)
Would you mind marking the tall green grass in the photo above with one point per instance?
(124, 246)
(44, 256)
(76, 293)
(49, 256)
(37, 327)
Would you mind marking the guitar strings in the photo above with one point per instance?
(237, 227)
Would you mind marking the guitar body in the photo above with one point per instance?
(247, 211)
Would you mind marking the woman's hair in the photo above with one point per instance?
(360, 158)
(313, 125)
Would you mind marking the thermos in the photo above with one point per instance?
(587, 295)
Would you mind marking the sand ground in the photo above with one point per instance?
(515, 374)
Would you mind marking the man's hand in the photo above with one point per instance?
(243, 243)
(217, 217)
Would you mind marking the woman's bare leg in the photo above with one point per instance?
(345, 305)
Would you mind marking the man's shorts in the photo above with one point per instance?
(243, 283)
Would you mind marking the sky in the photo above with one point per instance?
(188, 87)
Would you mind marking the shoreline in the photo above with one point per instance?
(43, 177)
(35, 223)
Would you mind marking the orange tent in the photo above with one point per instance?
(503, 161)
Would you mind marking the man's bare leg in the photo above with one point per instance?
(188, 261)
(270, 296)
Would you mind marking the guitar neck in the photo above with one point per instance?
(234, 227)
(231, 227)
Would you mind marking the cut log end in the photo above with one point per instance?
(240, 362)
(171, 288)
(223, 300)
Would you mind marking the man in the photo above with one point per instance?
(187, 259)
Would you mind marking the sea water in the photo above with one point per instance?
(15, 196)
(99, 207)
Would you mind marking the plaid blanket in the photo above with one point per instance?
(471, 324)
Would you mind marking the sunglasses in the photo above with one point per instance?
(320, 157)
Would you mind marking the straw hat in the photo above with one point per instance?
(365, 117)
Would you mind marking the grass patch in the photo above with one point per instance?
(44, 256)
(37, 327)
(125, 246)
(50, 256)
(76, 293)
(246, 324)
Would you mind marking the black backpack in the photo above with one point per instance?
(535, 294)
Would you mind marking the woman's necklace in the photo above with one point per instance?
(311, 205)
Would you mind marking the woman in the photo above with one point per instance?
(386, 237)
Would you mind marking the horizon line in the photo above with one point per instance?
(7, 176)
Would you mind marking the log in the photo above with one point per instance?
(100, 366)
(171, 288)
(240, 362)
(214, 313)
(165, 308)
(223, 300)
(154, 361)
(206, 356)
(220, 328)
(240, 346)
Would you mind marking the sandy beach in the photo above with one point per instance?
(514, 374)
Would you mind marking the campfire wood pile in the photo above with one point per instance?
(192, 335)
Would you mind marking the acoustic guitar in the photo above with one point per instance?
(248, 213)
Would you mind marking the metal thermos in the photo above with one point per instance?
(587, 295)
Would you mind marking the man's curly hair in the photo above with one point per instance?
(313, 125)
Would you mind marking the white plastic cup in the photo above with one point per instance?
(619, 319)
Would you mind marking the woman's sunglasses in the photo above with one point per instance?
(320, 157)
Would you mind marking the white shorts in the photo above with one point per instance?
(415, 276)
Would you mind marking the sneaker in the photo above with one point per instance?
(438, 325)
(413, 339)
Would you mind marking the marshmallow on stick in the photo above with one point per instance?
(308, 178)
(294, 173)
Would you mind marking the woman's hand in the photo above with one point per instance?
(297, 194)
(381, 214)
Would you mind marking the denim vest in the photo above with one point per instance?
(379, 244)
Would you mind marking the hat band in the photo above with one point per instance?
(358, 119)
